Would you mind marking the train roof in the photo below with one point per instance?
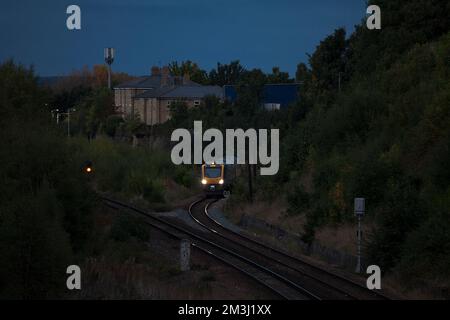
(227, 161)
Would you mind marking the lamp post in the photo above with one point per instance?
(69, 110)
(68, 120)
(109, 59)
(57, 115)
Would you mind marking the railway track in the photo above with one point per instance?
(277, 283)
(322, 283)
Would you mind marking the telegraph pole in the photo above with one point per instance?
(339, 81)
(68, 123)
(55, 111)
(359, 212)
(109, 59)
(68, 119)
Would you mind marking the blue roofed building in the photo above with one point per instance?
(274, 96)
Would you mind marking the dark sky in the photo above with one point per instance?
(260, 33)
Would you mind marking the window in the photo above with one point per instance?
(168, 103)
(196, 102)
(213, 172)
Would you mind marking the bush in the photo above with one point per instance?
(120, 168)
(183, 176)
(45, 202)
(112, 124)
(126, 227)
(426, 252)
(298, 201)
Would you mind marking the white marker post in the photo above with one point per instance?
(359, 212)
(185, 255)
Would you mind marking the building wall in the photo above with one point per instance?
(117, 103)
(139, 108)
(124, 102)
(150, 111)
(153, 111)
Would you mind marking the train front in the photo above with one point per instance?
(213, 179)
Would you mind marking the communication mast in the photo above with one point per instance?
(109, 59)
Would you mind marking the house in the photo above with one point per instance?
(153, 106)
(274, 96)
(149, 97)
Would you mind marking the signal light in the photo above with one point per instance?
(88, 167)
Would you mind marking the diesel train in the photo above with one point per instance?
(217, 179)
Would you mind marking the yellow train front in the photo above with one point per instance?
(215, 180)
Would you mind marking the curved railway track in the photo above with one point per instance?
(277, 283)
(322, 283)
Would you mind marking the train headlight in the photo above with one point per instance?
(204, 181)
(221, 181)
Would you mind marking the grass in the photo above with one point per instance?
(146, 176)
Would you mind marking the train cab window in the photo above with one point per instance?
(211, 172)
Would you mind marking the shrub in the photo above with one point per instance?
(298, 201)
(126, 227)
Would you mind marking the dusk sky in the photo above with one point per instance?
(260, 33)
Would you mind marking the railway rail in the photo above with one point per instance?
(322, 283)
(277, 283)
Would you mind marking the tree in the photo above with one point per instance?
(278, 76)
(189, 68)
(45, 203)
(329, 60)
(302, 74)
(226, 74)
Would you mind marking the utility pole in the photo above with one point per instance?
(53, 111)
(339, 81)
(250, 186)
(68, 123)
(58, 114)
(359, 212)
(109, 59)
(68, 119)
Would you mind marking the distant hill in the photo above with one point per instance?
(49, 81)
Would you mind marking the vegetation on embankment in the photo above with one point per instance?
(50, 217)
(383, 134)
(45, 201)
(385, 137)
(142, 174)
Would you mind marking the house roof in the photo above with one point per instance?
(188, 91)
(182, 91)
(154, 93)
(153, 81)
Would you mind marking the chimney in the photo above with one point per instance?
(164, 76)
(155, 71)
(186, 78)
